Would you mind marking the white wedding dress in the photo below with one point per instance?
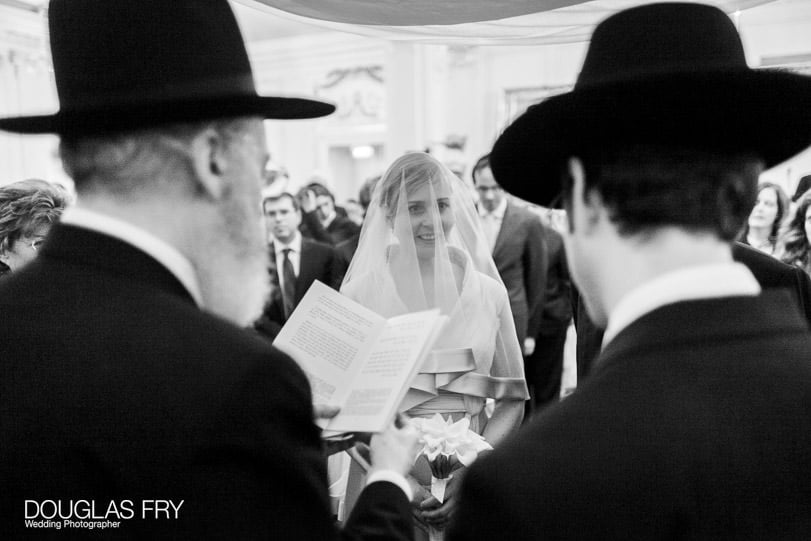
(422, 247)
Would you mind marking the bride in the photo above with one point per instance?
(422, 247)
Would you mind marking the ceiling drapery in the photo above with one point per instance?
(414, 12)
(474, 22)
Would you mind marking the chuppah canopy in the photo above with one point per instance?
(471, 22)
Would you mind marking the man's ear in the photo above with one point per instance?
(587, 205)
(210, 162)
(4, 250)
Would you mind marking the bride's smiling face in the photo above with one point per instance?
(424, 202)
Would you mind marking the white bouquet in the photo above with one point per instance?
(446, 445)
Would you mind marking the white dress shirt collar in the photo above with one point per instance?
(691, 283)
(491, 222)
(295, 244)
(498, 212)
(162, 252)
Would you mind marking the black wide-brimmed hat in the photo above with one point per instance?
(662, 74)
(122, 65)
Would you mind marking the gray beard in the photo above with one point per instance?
(232, 266)
(235, 290)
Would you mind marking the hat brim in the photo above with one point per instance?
(144, 115)
(767, 113)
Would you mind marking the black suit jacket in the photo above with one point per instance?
(115, 386)
(348, 248)
(342, 228)
(521, 259)
(696, 424)
(318, 262)
(312, 229)
(556, 310)
(768, 271)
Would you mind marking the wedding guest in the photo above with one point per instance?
(126, 372)
(768, 271)
(354, 211)
(311, 227)
(365, 192)
(696, 420)
(339, 227)
(766, 218)
(348, 247)
(295, 263)
(28, 208)
(795, 241)
(422, 247)
(544, 367)
(518, 245)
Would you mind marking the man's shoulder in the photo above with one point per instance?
(526, 220)
(316, 246)
(234, 346)
(154, 323)
(519, 212)
(233, 351)
(561, 439)
(554, 240)
(318, 250)
(770, 272)
(341, 222)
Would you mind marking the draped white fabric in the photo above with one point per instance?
(414, 12)
(469, 22)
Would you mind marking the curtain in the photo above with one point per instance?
(469, 22)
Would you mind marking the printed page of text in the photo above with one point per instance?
(329, 335)
(383, 381)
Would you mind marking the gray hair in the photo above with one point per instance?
(125, 163)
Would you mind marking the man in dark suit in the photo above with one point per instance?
(769, 272)
(696, 420)
(544, 367)
(518, 246)
(131, 400)
(295, 263)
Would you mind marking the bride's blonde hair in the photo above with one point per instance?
(411, 170)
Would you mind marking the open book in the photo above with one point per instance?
(355, 358)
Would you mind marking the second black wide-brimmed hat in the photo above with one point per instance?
(669, 74)
(122, 65)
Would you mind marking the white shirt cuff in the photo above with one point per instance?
(392, 477)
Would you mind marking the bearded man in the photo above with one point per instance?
(128, 382)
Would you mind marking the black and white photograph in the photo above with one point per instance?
(405, 270)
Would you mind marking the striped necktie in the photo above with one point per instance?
(288, 284)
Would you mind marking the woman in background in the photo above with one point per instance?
(795, 241)
(766, 218)
(422, 247)
(27, 210)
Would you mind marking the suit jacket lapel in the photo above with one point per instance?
(508, 226)
(307, 269)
